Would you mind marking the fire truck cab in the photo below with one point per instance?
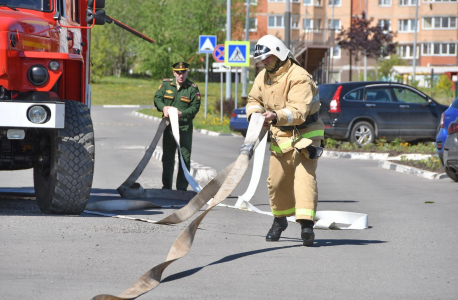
(45, 98)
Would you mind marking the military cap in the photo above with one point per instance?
(180, 66)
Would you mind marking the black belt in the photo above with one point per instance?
(309, 120)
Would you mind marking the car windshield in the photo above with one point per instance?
(42, 5)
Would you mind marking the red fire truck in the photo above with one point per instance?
(45, 97)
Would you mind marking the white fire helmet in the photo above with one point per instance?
(270, 45)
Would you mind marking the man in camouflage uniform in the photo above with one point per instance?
(181, 93)
(288, 98)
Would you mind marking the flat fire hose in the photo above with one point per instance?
(131, 189)
(219, 188)
(323, 219)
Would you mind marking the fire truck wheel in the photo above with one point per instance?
(63, 173)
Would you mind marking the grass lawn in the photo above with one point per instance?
(134, 91)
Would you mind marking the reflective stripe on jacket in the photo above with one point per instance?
(293, 95)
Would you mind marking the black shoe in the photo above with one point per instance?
(308, 237)
(278, 226)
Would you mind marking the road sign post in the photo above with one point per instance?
(207, 44)
(236, 54)
(221, 68)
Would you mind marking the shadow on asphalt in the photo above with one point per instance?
(229, 258)
(226, 259)
(22, 202)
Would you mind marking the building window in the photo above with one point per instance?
(439, 23)
(314, 2)
(335, 53)
(385, 24)
(295, 21)
(284, 0)
(253, 25)
(276, 21)
(384, 2)
(312, 25)
(445, 1)
(334, 24)
(406, 51)
(252, 2)
(407, 2)
(334, 3)
(439, 49)
(407, 25)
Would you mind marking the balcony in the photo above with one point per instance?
(313, 50)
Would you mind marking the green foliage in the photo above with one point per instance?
(444, 83)
(384, 66)
(441, 90)
(174, 25)
(382, 145)
(113, 50)
(431, 163)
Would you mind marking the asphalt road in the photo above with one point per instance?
(409, 251)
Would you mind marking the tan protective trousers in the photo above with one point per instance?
(292, 185)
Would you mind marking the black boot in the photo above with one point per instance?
(278, 226)
(307, 232)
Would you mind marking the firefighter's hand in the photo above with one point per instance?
(270, 115)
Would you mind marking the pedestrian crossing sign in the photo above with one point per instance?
(237, 54)
(207, 43)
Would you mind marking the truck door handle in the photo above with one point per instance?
(370, 105)
(404, 106)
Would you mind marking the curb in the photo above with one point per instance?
(354, 155)
(202, 131)
(386, 164)
(411, 170)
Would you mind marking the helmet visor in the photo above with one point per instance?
(261, 52)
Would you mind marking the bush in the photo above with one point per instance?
(396, 146)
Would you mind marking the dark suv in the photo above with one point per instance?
(360, 112)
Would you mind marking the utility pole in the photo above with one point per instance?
(247, 38)
(228, 38)
(414, 63)
(365, 57)
(288, 25)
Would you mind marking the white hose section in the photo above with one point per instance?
(173, 116)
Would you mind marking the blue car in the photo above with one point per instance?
(448, 116)
(238, 121)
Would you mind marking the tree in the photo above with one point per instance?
(113, 49)
(175, 25)
(362, 39)
(385, 66)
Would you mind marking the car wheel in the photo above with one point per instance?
(452, 175)
(362, 133)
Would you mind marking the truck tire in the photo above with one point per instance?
(362, 133)
(63, 176)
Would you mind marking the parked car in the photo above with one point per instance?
(450, 151)
(360, 112)
(447, 117)
(238, 121)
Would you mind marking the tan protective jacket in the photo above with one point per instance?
(293, 95)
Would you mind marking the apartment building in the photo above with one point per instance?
(315, 24)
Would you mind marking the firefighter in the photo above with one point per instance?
(181, 93)
(287, 96)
